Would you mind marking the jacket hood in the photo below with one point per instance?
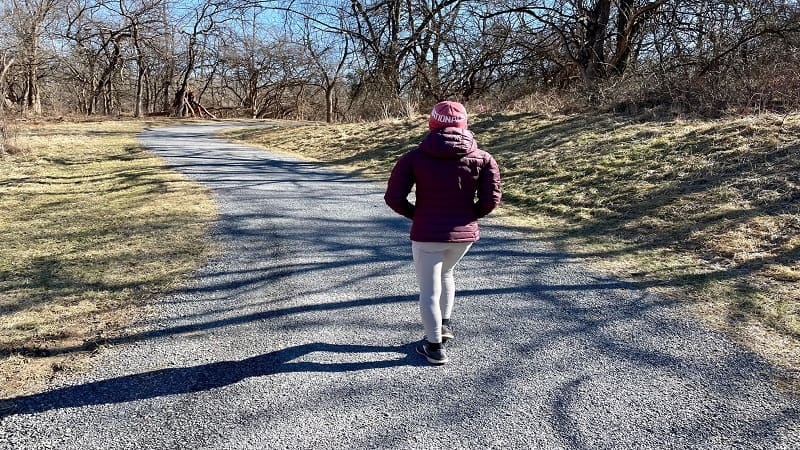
(448, 143)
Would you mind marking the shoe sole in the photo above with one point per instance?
(438, 362)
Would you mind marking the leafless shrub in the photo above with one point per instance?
(410, 108)
(8, 138)
(550, 102)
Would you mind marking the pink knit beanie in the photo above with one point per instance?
(448, 114)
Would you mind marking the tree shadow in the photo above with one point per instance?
(597, 324)
(565, 421)
(184, 380)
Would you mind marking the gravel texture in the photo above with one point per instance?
(301, 335)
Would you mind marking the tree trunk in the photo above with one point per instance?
(6, 65)
(625, 30)
(329, 103)
(137, 107)
(179, 104)
(165, 85)
(149, 94)
(169, 72)
(180, 95)
(252, 91)
(32, 102)
(591, 56)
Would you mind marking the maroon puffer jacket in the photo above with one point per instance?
(456, 184)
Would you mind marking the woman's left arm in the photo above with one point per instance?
(489, 185)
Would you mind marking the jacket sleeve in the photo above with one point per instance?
(400, 183)
(489, 193)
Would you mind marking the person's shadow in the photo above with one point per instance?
(181, 380)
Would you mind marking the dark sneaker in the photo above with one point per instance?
(447, 333)
(434, 356)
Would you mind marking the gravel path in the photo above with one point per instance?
(301, 335)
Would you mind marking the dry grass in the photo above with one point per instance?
(85, 217)
(707, 211)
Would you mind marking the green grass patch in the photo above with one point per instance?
(707, 211)
(92, 228)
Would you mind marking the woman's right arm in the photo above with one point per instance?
(400, 183)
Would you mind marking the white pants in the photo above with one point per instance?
(434, 262)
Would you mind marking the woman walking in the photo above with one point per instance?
(456, 184)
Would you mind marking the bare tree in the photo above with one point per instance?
(202, 20)
(98, 36)
(584, 30)
(249, 61)
(140, 18)
(29, 20)
(329, 53)
(384, 35)
(463, 55)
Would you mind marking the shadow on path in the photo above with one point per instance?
(183, 380)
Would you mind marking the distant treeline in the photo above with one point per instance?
(345, 60)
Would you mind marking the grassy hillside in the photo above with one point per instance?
(85, 215)
(707, 211)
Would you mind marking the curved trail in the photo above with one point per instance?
(301, 335)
